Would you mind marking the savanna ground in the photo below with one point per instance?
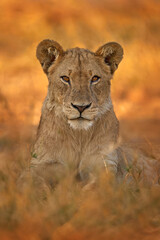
(108, 211)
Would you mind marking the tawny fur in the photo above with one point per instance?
(64, 142)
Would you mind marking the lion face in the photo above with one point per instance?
(80, 88)
(79, 81)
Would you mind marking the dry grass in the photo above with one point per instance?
(108, 211)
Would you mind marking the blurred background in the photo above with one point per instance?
(89, 24)
(108, 212)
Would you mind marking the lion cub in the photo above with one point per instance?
(78, 131)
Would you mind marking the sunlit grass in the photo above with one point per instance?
(106, 211)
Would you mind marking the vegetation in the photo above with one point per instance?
(107, 211)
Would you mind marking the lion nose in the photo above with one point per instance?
(81, 108)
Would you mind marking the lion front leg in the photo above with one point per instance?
(111, 162)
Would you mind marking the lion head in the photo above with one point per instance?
(79, 80)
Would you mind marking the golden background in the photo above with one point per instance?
(88, 24)
(23, 86)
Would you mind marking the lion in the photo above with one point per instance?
(78, 127)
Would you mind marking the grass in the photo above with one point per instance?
(108, 211)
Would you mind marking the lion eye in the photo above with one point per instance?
(65, 79)
(95, 79)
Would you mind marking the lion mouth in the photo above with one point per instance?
(80, 119)
(80, 123)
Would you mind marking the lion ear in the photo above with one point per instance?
(112, 53)
(48, 51)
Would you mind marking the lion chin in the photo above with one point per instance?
(80, 124)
